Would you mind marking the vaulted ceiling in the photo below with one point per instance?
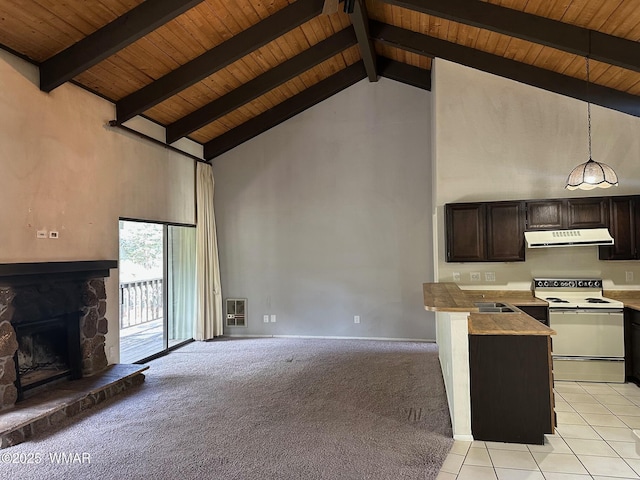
(221, 72)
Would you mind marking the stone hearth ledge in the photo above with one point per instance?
(65, 399)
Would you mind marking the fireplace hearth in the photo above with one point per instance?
(52, 324)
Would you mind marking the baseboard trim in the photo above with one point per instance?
(333, 337)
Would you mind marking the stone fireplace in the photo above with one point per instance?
(52, 324)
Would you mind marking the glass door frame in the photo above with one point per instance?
(165, 286)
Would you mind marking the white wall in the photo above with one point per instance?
(496, 139)
(63, 169)
(328, 215)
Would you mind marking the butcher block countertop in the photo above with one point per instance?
(506, 324)
(448, 297)
(630, 298)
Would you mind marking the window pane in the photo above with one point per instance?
(182, 279)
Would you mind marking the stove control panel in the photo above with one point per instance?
(567, 283)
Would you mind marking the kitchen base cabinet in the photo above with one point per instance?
(632, 344)
(538, 312)
(511, 388)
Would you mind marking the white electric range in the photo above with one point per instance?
(589, 344)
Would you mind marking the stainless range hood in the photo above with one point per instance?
(568, 238)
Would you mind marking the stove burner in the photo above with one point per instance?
(556, 300)
(596, 300)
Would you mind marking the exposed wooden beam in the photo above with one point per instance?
(504, 67)
(285, 110)
(360, 21)
(262, 84)
(401, 72)
(563, 36)
(111, 38)
(330, 6)
(218, 57)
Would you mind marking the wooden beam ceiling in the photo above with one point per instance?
(240, 76)
(507, 68)
(401, 72)
(217, 58)
(545, 31)
(109, 39)
(360, 21)
(285, 110)
(262, 84)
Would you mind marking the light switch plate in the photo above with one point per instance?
(273, 319)
(265, 318)
(41, 234)
(628, 276)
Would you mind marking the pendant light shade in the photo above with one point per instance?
(591, 174)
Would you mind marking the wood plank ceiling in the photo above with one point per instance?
(221, 72)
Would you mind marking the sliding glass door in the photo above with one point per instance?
(157, 288)
(181, 272)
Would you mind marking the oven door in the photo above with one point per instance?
(588, 345)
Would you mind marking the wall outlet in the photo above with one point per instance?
(265, 318)
(489, 276)
(356, 319)
(628, 276)
(53, 234)
(41, 234)
(474, 276)
(456, 276)
(273, 319)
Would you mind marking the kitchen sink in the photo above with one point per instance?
(495, 307)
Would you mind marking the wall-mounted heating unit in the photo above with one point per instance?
(236, 312)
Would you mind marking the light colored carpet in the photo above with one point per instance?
(268, 408)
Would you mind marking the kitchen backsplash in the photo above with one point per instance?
(549, 262)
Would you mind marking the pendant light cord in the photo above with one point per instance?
(589, 96)
(588, 109)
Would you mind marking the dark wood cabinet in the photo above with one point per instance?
(546, 215)
(494, 231)
(465, 232)
(632, 344)
(505, 231)
(511, 388)
(539, 312)
(568, 213)
(624, 226)
(588, 212)
(485, 232)
(635, 350)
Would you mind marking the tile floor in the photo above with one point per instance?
(592, 441)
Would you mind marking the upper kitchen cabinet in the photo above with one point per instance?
(465, 232)
(558, 214)
(505, 231)
(546, 215)
(624, 226)
(485, 232)
(588, 212)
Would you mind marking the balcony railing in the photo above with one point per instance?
(140, 302)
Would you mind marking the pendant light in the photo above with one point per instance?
(591, 174)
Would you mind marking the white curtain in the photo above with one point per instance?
(209, 318)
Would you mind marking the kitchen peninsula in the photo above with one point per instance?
(496, 366)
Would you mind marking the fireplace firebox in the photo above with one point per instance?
(48, 350)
